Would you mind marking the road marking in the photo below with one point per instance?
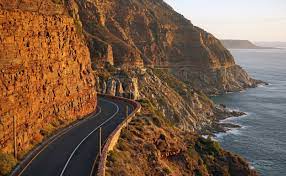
(94, 162)
(57, 137)
(84, 139)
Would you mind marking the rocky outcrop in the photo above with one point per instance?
(119, 85)
(216, 81)
(182, 106)
(150, 32)
(46, 80)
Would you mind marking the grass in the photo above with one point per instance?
(7, 163)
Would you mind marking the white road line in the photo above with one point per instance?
(84, 139)
(93, 165)
(57, 137)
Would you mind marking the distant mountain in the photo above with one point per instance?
(242, 44)
(272, 44)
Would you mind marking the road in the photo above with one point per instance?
(74, 152)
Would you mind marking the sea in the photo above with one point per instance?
(262, 136)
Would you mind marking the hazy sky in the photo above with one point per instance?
(255, 20)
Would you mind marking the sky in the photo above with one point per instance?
(255, 20)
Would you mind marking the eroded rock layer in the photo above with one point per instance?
(150, 32)
(46, 80)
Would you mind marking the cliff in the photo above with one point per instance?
(241, 44)
(46, 80)
(150, 33)
(158, 148)
(142, 50)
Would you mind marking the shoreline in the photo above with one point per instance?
(220, 123)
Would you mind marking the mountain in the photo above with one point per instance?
(150, 33)
(272, 44)
(242, 44)
(55, 54)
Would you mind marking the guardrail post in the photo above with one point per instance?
(15, 136)
(100, 130)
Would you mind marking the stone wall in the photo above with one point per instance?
(46, 80)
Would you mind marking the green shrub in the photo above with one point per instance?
(7, 163)
(207, 147)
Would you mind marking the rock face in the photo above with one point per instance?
(46, 80)
(150, 32)
(184, 107)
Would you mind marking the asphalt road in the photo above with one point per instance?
(74, 153)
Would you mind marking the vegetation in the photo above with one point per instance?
(207, 147)
(78, 26)
(157, 116)
(182, 88)
(7, 163)
(59, 2)
(174, 83)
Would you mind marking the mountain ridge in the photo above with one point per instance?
(242, 44)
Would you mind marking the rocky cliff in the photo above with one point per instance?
(46, 80)
(151, 33)
(139, 49)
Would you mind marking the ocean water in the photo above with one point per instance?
(262, 138)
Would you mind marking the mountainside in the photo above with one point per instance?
(151, 33)
(163, 139)
(139, 49)
(46, 80)
(158, 149)
(241, 44)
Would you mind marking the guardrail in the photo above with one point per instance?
(114, 136)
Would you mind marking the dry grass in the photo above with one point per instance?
(7, 163)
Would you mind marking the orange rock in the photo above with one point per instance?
(45, 71)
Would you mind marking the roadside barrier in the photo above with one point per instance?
(114, 136)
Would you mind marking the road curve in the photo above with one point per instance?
(73, 153)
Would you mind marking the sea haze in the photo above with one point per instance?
(262, 138)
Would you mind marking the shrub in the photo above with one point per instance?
(207, 147)
(111, 156)
(7, 163)
(57, 2)
(47, 130)
(38, 137)
(125, 134)
(167, 170)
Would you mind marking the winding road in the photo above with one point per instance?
(74, 151)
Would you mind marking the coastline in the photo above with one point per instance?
(223, 115)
